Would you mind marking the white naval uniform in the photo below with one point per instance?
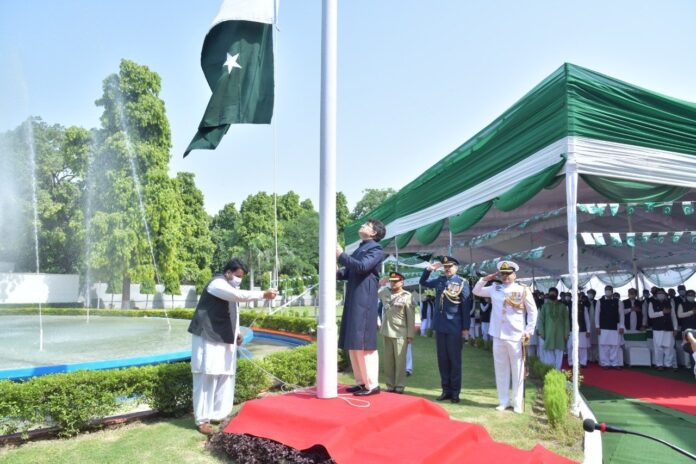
(610, 341)
(663, 340)
(507, 327)
(214, 364)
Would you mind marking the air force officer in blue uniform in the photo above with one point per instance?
(450, 322)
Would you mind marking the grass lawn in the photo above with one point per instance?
(177, 441)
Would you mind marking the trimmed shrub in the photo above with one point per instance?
(75, 400)
(295, 367)
(555, 398)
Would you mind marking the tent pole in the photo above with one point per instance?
(449, 249)
(327, 353)
(571, 210)
(396, 247)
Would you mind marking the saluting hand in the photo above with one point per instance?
(434, 266)
(490, 277)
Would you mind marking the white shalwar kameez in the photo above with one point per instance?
(214, 364)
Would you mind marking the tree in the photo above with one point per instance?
(289, 206)
(137, 211)
(370, 200)
(343, 217)
(256, 232)
(197, 248)
(60, 158)
(299, 254)
(223, 231)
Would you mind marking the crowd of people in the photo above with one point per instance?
(519, 321)
(660, 314)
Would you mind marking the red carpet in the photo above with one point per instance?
(393, 429)
(645, 387)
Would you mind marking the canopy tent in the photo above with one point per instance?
(578, 132)
(629, 145)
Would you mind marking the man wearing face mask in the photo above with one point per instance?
(610, 328)
(398, 328)
(215, 336)
(633, 316)
(451, 320)
(554, 329)
(664, 324)
(510, 332)
(358, 332)
(593, 351)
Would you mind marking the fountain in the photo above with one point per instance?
(32, 161)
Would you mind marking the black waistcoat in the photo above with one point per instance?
(609, 314)
(212, 319)
(688, 322)
(663, 323)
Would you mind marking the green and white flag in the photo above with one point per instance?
(237, 60)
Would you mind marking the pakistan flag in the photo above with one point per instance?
(237, 60)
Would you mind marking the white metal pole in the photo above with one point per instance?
(327, 375)
(571, 211)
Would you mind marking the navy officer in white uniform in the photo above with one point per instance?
(510, 302)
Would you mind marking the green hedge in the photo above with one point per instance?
(556, 397)
(73, 401)
(301, 325)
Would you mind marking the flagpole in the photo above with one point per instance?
(327, 376)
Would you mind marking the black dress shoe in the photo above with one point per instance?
(443, 397)
(355, 388)
(366, 392)
(399, 390)
(455, 399)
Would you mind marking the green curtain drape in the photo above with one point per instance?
(385, 243)
(669, 277)
(624, 191)
(427, 234)
(466, 219)
(582, 281)
(528, 188)
(403, 239)
(615, 279)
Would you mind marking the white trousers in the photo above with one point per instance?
(409, 358)
(507, 359)
(213, 397)
(424, 325)
(582, 352)
(609, 355)
(484, 330)
(663, 343)
(553, 358)
(365, 364)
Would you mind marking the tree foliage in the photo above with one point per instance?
(370, 200)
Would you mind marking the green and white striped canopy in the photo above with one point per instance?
(629, 145)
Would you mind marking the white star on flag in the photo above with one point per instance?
(232, 62)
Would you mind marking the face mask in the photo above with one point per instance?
(661, 297)
(235, 281)
(591, 296)
(567, 298)
(631, 297)
(608, 294)
(690, 299)
(682, 293)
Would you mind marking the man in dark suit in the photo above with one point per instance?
(451, 321)
(358, 332)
